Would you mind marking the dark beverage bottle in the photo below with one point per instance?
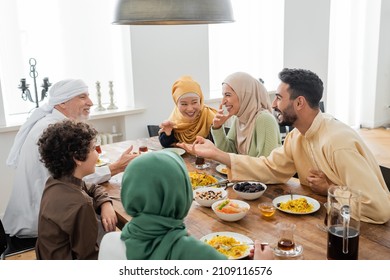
(335, 244)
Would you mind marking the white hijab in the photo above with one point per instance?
(254, 99)
(59, 93)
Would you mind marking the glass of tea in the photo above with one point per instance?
(286, 248)
(97, 146)
(142, 149)
(286, 236)
(200, 163)
(267, 209)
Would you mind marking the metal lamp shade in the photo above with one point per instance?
(173, 12)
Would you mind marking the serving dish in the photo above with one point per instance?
(230, 210)
(286, 198)
(102, 161)
(201, 179)
(178, 151)
(249, 190)
(221, 168)
(206, 196)
(238, 237)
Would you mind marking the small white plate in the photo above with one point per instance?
(102, 161)
(239, 237)
(178, 151)
(220, 168)
(285, 198)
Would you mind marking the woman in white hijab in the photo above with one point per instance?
(254, 130)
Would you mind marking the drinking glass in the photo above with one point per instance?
(200, 163)
(286, 246)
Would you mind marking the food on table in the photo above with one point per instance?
(229, 207)
(208, 195)
(267, 209)
(228, 246)
(299, 205)
(201, 179)
(248, 187)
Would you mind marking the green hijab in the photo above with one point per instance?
(157, 193)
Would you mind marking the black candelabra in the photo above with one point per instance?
(26, 94)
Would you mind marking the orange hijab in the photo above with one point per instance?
(186, 130)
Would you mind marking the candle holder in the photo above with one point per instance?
(99, 96)
(111, 92)
(23, 86)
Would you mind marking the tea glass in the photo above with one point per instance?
(200, 163)
(286, 246)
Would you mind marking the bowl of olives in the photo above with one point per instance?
(249, 190)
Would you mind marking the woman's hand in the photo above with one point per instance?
(318, 182)
(108, 216)
(166, 127)
(205, 148)
(220, 118)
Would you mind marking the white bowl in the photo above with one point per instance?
(250, 195)
(231, 217)
(207, 201)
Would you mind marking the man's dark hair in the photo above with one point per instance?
(303, 83)
(63, 142)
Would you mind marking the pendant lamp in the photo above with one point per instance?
(172, 12)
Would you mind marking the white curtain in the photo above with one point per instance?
(252, 44)
(353, 59)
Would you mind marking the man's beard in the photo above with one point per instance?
(286, 118)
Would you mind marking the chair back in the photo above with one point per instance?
(3, 241)
(112, 247)
(386, 175)
(153, 130)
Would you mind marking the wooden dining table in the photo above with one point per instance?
(374, 240)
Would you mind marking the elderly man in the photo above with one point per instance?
(67, 99)
(322, 150)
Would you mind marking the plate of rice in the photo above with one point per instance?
(299, 204)
(233, 245)
(201, 179)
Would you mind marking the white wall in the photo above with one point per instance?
(160, 55)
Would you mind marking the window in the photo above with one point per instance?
(353, 60)
(68, 39)
(252, 44)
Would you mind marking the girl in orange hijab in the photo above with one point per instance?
(189, 118)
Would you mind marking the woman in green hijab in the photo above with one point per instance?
(157, 193)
